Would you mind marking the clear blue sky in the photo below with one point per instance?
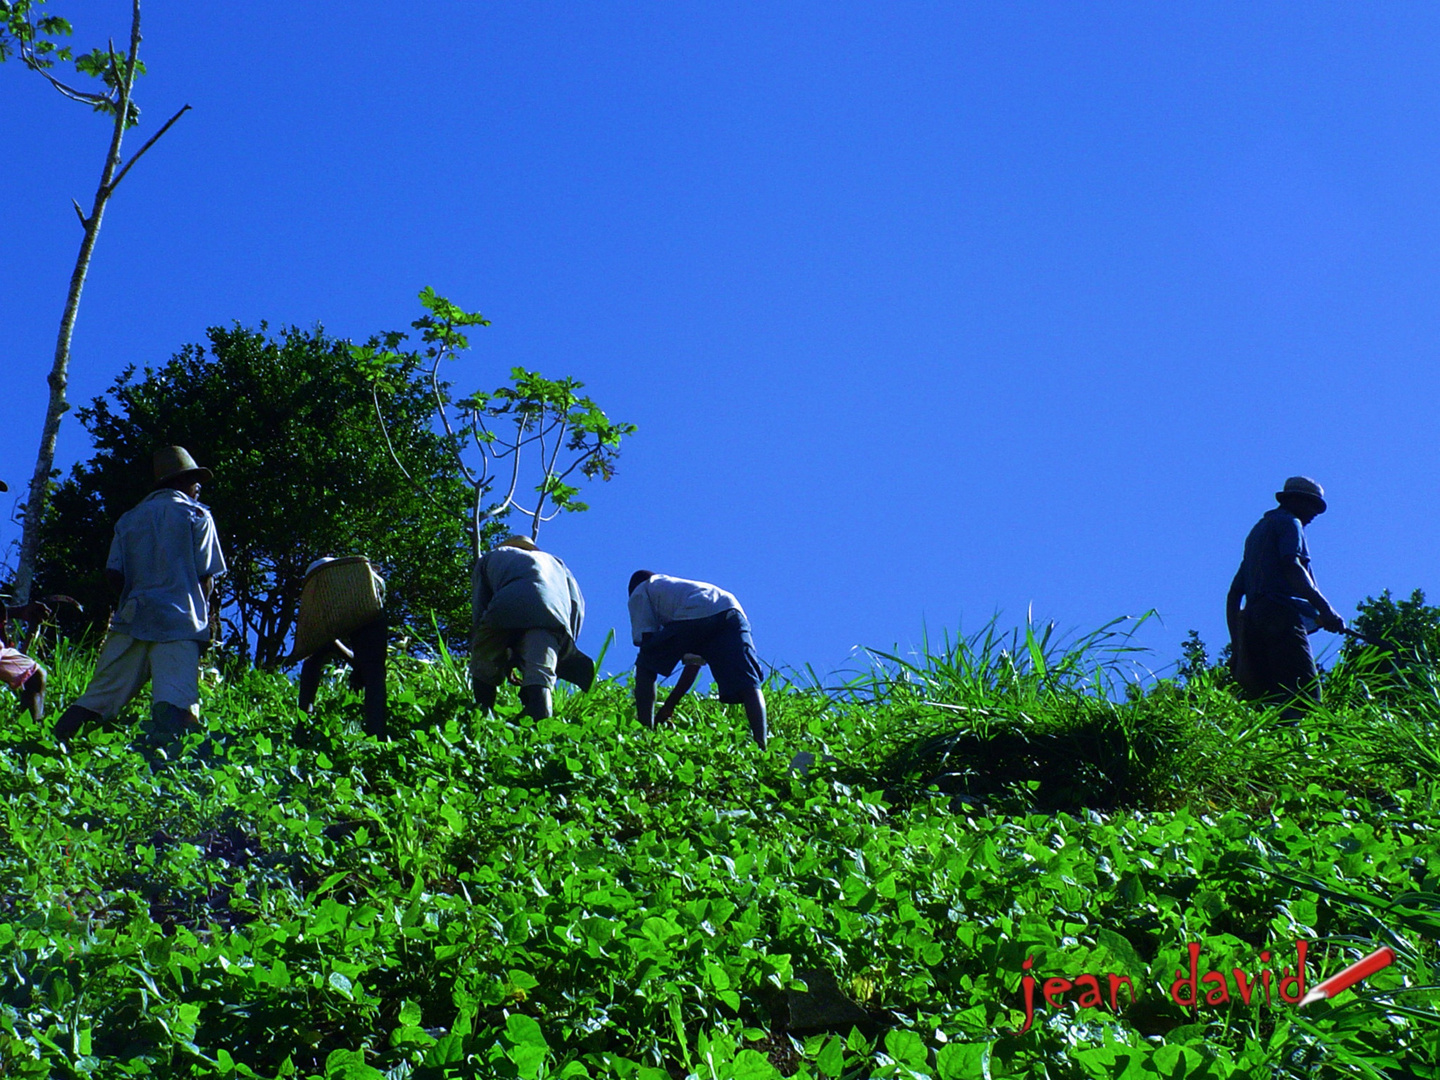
(925, 311)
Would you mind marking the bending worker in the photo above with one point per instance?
(526, 612)
(18, 671)
(163, 562)
(355, 636)
(675, 620)
(1269, 638)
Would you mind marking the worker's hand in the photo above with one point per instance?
(31, 612)
(1332, 620)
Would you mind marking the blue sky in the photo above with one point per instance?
(925, 312)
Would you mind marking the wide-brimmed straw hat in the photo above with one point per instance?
(175, 463)
(1302, 485)
(524, 543)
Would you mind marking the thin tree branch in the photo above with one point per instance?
(592, 452)
(545, 482)
(80, 213)
(515, 468)
(441, 410)
(67, 90)
(484, 457)
(121, 174)
(385, 431)
(477, 516)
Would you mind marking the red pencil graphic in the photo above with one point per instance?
(1361, 969)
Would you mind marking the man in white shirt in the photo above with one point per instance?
(163, 562)
(676, 620)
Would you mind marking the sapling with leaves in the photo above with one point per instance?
(532, 428)
(37, 40)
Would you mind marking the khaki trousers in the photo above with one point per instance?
(172, 668)
(493, 652)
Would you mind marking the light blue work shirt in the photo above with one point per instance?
(660, 600)
(1276, 542)
(514, 589)
(165, 547)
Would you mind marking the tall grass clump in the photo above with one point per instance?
(1030, 719)
(1026, 714)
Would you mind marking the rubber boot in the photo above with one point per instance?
(71, 720)
(32, 694)
(162, 737)
(485, 696)
(310, 672)
(536, 701)
(754, 702)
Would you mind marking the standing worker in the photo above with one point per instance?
(675, 620)
(526, 611)
(1269, 638)
(343, 601)
(163, 563)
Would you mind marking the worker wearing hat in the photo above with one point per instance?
(163, 562)
(1269, 636)
(526, 612)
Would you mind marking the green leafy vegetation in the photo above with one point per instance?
(579, 897)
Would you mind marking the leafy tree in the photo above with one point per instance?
(1409, 625)
(37, 40)
(519, 430)
(1194, 665)
(287, 425)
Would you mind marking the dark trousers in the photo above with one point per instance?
(1274, 661)
(367, 663)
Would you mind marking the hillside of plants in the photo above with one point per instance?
(579, 897)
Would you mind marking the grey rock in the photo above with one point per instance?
(823, 1006)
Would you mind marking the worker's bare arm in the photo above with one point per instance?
(682, 687)
(1301, 585)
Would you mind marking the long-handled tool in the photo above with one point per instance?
(1379, 643)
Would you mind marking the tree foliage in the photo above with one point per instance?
(531, 429)
(38, 40)
(1410, 625)
(287, 426)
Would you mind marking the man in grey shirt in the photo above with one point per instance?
(1269, 637)
(526, 611)
(163, 562)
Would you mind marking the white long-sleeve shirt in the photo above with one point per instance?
(663, 599)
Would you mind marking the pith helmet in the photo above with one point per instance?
(175, 463)
(524, 543)
(1302, 485)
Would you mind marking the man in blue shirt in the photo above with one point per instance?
(1269, 637)
(163, 562)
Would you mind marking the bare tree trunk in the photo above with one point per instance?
(60, 367)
